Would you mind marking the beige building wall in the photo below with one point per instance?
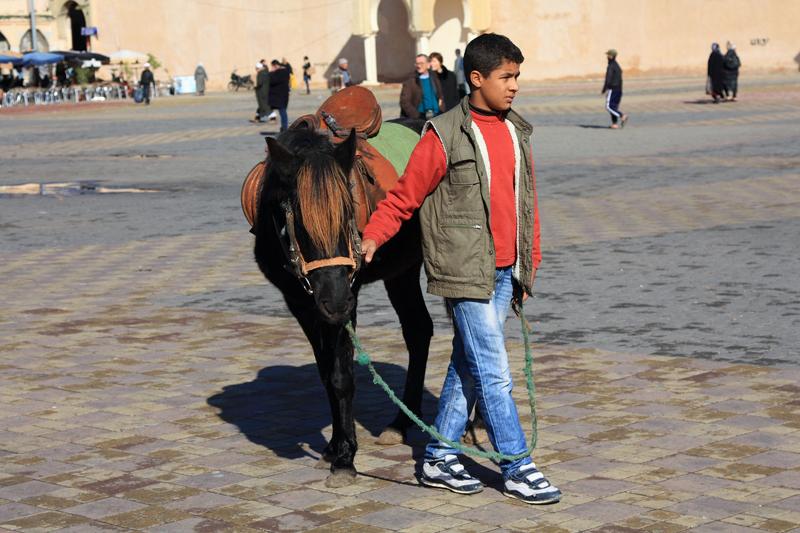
(227, 34)
(569, 37)
(560, 38)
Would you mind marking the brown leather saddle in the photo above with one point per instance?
(372, 175)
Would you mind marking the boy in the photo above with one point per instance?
(472, 178)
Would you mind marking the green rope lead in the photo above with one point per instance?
(363, 359)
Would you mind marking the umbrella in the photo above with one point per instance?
(13, 59)
(127, 56)
(40, 58)
(83, 56)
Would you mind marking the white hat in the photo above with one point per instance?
(342, 60)
(147, 65)
(259, 65)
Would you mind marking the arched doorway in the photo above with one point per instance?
(5, 46)
(25, 44)
(449, 32)
(77, 21)
(395, 47)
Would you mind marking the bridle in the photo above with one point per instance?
(297, 265)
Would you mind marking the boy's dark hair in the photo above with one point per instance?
(438, 56)
(487, 52)
(275, 62)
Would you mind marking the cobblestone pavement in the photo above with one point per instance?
(151, 380)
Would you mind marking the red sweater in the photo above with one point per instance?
(426, 168)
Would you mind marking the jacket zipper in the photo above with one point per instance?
(471, 226)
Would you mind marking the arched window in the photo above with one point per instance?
(5, 46)
(395, 47)
(77, 21)
(41, 42)
(449, 32)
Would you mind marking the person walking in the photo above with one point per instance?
(262, 92)
(146, 81)
(612, 88)
(461, 81)
(421, 94)
(474, 160)
(307, 73)
(341, 77)
(447, 80)
(279, 91)
(715, 84)
(731, 64)
(200, 79)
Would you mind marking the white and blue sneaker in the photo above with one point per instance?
(530, 486)
(448, 473)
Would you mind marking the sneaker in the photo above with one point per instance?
(530, 486)
(449, 474)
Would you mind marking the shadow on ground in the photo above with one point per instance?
(285, 407)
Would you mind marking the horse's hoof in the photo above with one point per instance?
(341, 477)
(324, 463)
(390, 436)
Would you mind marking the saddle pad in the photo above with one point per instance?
(395, 142)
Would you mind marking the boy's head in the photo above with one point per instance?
(491, 64)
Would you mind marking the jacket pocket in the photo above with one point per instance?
(461, 249)
(463, 168)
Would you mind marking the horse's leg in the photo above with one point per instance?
(319, 336)
(335, 363)
(406, 297)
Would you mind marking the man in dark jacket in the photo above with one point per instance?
(731, 63)
(146, 81)
(421, 95)
(262, 92)
(612, 88)
(279, 91)
(716, 73)
(447, 80)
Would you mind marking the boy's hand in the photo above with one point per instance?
(533, 278)
(368, 247)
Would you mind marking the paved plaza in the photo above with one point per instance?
(151, 379)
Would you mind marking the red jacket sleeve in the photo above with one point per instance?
(537, 234)
(425, 170)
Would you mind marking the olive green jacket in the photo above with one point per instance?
(456, 238)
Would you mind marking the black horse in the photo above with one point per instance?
(307, 246)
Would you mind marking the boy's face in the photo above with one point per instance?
(497, 90)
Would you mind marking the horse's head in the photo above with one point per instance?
(308, 191)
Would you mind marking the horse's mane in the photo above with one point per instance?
(326, 205)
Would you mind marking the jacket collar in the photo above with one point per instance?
(512, 116)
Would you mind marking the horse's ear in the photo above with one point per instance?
(345, 153)
(278, 153)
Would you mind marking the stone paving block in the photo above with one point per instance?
(294, 521)
(103, 508)
(46, 521)
(11, 511)
(710, 507)
(605, 511)
(26, 489)
(394, 518)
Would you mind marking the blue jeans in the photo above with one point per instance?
(284, 118)
(479, 372)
